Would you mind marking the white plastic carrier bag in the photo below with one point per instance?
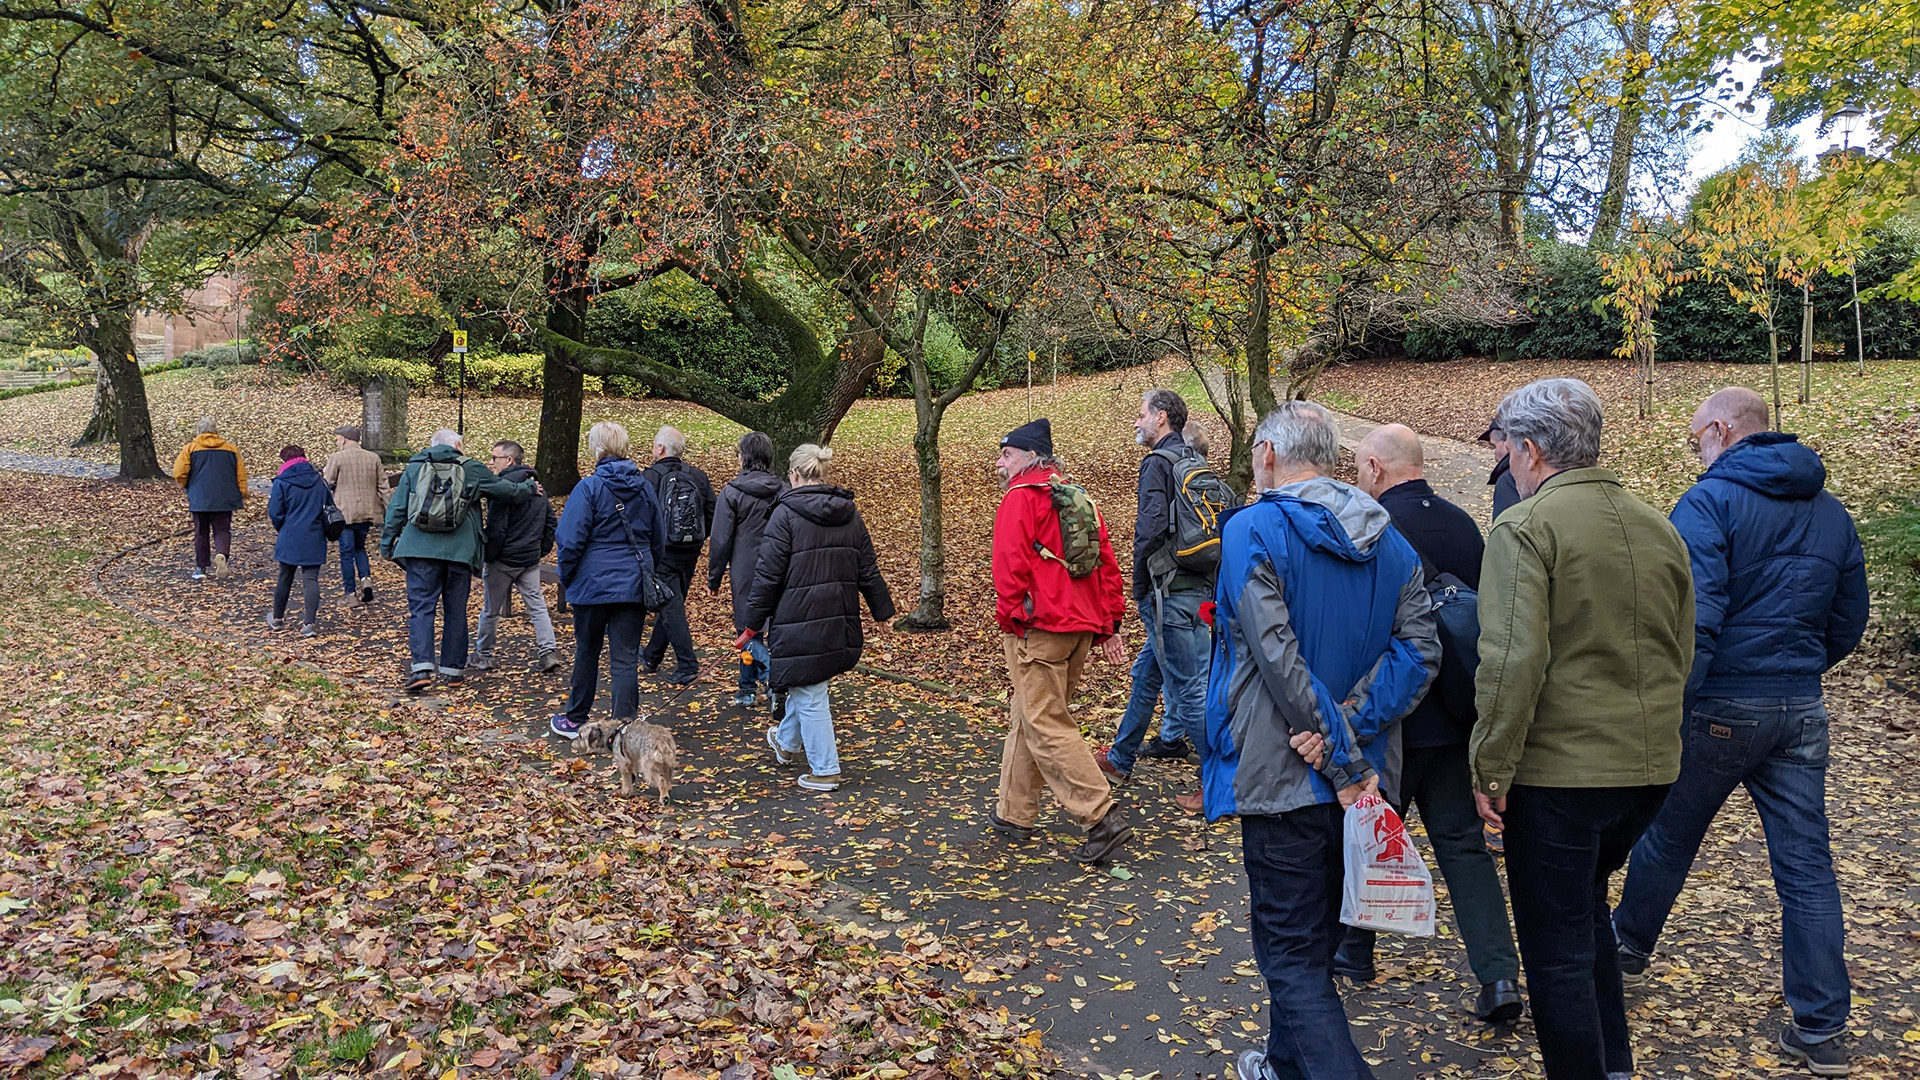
(1387, 886)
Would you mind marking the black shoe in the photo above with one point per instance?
(1633, 966)
(650, 666)
(418, 682)
(1177, 750)
(685, 679)
(1008, 829)
(1825, 1058)
(1105, 838)
(1499, 1002)
(1351, 964)
(366, 593)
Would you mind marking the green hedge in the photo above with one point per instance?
(1892, 544)
(1698, 321)
(69, 384)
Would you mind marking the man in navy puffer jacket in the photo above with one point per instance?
(1780, 596)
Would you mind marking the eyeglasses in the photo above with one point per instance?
(1693, 436)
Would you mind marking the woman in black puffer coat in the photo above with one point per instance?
(816, 562)
(739, 521)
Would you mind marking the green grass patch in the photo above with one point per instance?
(351, 1046)
(1892, 543)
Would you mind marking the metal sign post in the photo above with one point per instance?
(460, 347)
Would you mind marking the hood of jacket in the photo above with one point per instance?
(520, 472)
(210, 441)
(1773, 464)
(822, 504)
(1335, 518)
(622, 477)
(437, 453)
(760, 485)
(300, 473)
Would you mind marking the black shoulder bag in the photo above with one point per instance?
(654, 593)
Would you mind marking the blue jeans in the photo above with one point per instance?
(353, 555)
(1174, 659)
(807, 723)
(754, 673)
(1777, 748)
(434, 584)
(1294, 865)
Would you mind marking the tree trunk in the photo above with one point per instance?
(1260, 333)
(1806, 344)
(1626, 133)
(1773, 353)
(1859, 334)
(111, 338)
(930, 613)
(100, 426)
(562, 388)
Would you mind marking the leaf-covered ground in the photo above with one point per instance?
(221, 861)
(1162, 950)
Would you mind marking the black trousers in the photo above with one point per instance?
(670, 624)
(1562, 846)
(617, 628)
(309, 591)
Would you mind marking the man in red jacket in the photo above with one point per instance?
(1049, 622)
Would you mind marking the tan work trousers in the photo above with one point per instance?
(1044, 745)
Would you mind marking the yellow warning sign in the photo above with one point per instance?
(459, 341)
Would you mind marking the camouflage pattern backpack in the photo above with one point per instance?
(1079, 527)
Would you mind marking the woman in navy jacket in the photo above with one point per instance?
(603, 561)
(297, 506)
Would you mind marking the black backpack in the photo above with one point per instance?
(1456, 616)
(680, 506)
(1198, 502)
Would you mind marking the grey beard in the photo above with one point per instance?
(1142, 437)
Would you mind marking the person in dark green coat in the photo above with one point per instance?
(432, 528)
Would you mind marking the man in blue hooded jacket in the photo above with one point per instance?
(1323, 640)
(1780, 596)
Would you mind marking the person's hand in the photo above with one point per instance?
(1113, 650)
(1352, 792)
(539, 488)
(1311, 748)
(1490, 809)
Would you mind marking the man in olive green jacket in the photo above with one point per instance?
(441, 562)
(1586, 638)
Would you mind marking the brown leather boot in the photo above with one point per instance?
(1105, 838)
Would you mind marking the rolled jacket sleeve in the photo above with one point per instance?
(1513, 656)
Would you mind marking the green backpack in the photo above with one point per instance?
(441, 497)
(1079, 527)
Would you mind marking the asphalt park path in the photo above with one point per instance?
(1142, 967)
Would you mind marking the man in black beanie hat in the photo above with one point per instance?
(1049, 622)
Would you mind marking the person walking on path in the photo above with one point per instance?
(433, 529)
(816, 563)
(1586, 620)
(1780, 596)
(517, 536)
(611, 541)
(360, 489)
(1173, 657)
(215, 478)
(1323, 640)
(1505, 494)
(1434, 772)
(1049, 621)
(297, 505)
(686, 506)
(738, 524)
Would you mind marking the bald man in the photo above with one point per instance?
(1780, 596)
(1436, 775)
(686, 505)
